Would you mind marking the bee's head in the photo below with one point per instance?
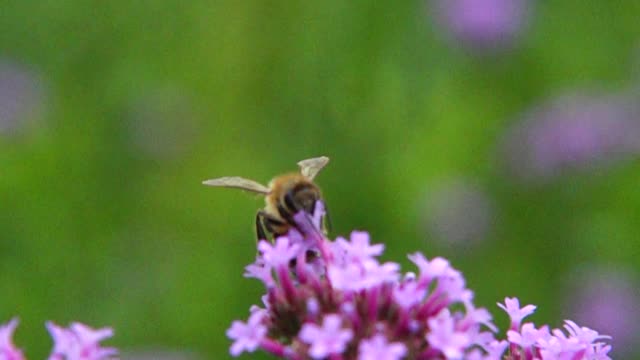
(305, 197)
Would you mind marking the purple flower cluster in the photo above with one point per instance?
(77, 342)
(336, 300)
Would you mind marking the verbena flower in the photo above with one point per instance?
(344, 303)
(249, 335)
(377, 348)
(330, 338)
(77, 342)
(516, 314)
(8, 351)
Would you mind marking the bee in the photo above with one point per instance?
(285, 196)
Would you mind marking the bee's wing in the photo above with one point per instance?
(239, 183)
(309, 168)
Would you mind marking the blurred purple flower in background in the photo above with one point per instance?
(482, 25)
(609, 300)
(21, 96)
(574, 131)
(457, 213)
(162, 124)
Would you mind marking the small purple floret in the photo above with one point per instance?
(247, 336)
(278, 254)
(446, 338)
(377, 348)
(79, 341)
(516, 314)
(8, 350)
(330, 338)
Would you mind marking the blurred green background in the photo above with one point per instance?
(128, 106)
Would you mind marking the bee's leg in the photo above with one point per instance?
(260, 233)
(285, 214)
(326, 221)
(272, 224)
